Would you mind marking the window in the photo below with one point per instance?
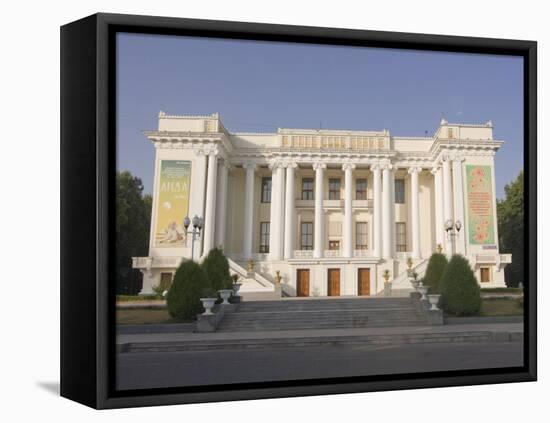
(306, 236)
(361, 189)
(450, 133)
(307, 189)
(264, 237)
(334, 245)
(400, 237)
(266, 190)
(485, 274)
(361, 236)
(400, 191)
(165, 281)
(334, 189)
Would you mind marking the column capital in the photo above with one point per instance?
(387, 166)
(199, 152)
(457, 157)
(249, 165)
(211, 151)
(435, 169)
(348, 166)
(275, 164)
(414, 169)
(375, 166)
(290, 164)
(319, 165)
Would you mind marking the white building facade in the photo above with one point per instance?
(330, 210)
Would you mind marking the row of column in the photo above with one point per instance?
(449, 201)
(282, 228)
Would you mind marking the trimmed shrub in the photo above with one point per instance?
(436, 266)
(216, 268)
(189, 285)
(460, 293)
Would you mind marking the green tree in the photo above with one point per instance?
(216, 268)
(460, 293)
(133, 219)
(434, 272)
(510, 212)
(189, 286)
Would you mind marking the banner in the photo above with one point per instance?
(172, 202)
(481, 225)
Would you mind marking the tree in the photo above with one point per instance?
(510, 212)
(434, 272)
(133, 219)
(216, 268)
(460, 293)
(189, 286)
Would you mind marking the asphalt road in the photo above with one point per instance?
(173, 369)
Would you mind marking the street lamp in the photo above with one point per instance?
(195, 233)
(450, 227)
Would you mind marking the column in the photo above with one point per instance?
(447, 200)
(415, 214)
(289, 212)
(197, 199)
(221, 202)
(281, 210)
(376, 211)
(275, 226)
(347, 250)
(460, 238)
(438, 202)
(210, 212)
(319, 224)
(388, 215)
(248, 210)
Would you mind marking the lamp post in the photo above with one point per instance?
(198, 223)
(452, 229)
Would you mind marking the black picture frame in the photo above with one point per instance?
(87, 211)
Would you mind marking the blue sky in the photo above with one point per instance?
(259, 86)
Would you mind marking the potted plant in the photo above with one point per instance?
(434, 301)
(236, 285)
(208, 303)
(225, 294)
(387, 284)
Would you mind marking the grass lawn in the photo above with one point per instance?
(123, 298)
(143, 316)
(500, 307)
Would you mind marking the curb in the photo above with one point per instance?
(395, 339)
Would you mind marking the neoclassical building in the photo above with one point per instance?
(332, 211)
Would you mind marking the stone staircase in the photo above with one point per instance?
(329, 313)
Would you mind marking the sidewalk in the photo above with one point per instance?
(148, 342)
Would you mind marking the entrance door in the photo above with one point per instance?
(302, 282)
(363, 281)
(333, 277)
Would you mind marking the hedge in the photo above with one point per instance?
(460, 293)
(216, 268)
(189, 285)
(436, 266)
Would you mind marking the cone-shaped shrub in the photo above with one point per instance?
(216, 268)
(434, 272)
(460, 293)
(189, 285)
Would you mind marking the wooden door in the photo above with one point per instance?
(333, 288)
(363, 281)
(302, 282)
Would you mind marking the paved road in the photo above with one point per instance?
(169, 369)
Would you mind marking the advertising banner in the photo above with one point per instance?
(481, 227)
(172, 202)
